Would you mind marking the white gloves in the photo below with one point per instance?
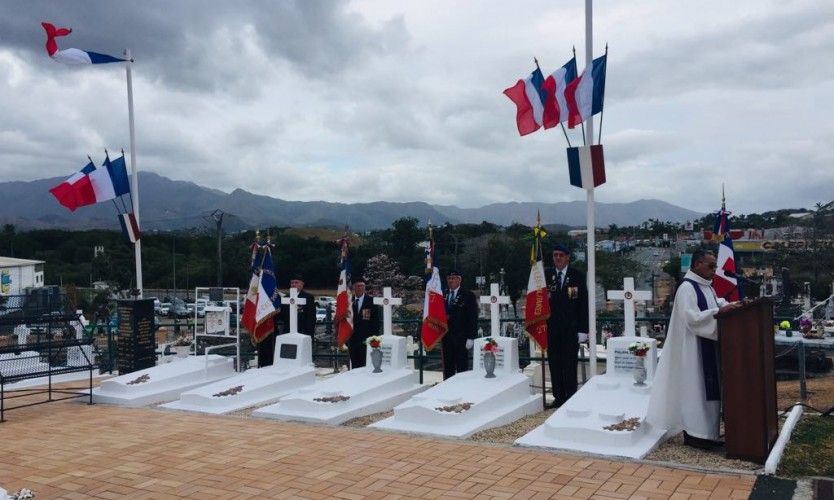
(582, 337)
(469, 344)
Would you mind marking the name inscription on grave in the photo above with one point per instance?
(386, 354)
(624, 361)
(499, 360)
(288, 351)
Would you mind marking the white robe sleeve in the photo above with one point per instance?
(700, 323)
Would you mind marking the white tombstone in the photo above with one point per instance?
(495, 299)
(469, 402)
(293, 369)
(22, 331)
(294, 301)
(606, 416)
(217, 320)
(628, 295)
(387, 301)
(354, 393)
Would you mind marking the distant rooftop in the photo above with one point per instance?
(11, 262)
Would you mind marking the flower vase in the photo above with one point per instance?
(376, 360)
(182, 350)
(640, 371)
(489, 364)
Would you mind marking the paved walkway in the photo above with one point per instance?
(72, 450)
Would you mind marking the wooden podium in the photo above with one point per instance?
(748, 380)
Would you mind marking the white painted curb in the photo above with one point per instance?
(784, 436)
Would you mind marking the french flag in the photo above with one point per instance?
(130, 228)
(586, 166)
(555, 104)
(725, 281)
(93, 185)
(585, 94)
(72, 56)
(265, 307)
(528, 96)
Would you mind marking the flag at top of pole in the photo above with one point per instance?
(72, 56)
(725, 281)
(585, 95)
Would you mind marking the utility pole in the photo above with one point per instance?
(217, 215)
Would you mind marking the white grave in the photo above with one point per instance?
(355, 393)
(292, 370)
(483, 402)
(22, 331)
(495, 299)
(628, 295)
(23, 363)
(163, 382)
(604, 401)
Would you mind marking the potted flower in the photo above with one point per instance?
(639, 350)
(374, 342)
(805, 324)
(182, 346)
(786, 326)
(489, 349)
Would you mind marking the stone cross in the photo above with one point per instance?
(494, 300)
(628, 295)
(388, 302)
(294, 302)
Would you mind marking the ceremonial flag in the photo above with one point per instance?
(585, 94)
(586, 166)
(434, 312)
(537, 305)
(725, 281)
(72, 56)
(555, 105)
(76, 191)
(130, 229)
(247, 319)
(267, 296)
(344, 312)
(528, 97)
(118, 175)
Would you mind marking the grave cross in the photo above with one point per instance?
(628, 295)
(494, 300)
(294, 301)
(388, 302)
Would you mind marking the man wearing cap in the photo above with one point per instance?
(462, 318)
(568, 324)
(365, 323)
(306, 312)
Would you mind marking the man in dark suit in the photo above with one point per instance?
(462, 317)
(568, 324)
(365, 323)
(306, 312)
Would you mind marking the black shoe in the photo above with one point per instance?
(703, 444)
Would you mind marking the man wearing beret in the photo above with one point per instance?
(365, 323)
(306, 312)
(462, 318)
(568, 324)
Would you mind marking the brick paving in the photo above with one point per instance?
(71, 450)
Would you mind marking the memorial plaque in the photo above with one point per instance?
(288, 351)
(499, 360)
(136, 344)
(386, 354)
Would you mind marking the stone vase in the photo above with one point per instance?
(376, 360)
(640, 371)
(489, 364)
(182, 350)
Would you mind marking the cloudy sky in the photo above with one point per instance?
(401, 100)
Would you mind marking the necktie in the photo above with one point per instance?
(559, 279)
(451, 298)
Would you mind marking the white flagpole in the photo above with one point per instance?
(133, 171)
(590, 252)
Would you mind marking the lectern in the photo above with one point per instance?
(748, 380)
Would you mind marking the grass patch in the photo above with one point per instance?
(811, 449)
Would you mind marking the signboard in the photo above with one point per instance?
(686, 262)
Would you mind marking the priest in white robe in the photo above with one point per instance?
(685, 392)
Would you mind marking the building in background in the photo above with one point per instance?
(18, 275)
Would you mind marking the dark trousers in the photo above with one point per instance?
(357, 351)
(455, 356)
(563, 358)
(266, 351)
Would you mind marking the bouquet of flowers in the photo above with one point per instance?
(785, 325)
(491, 345)
(805, 324)
(639, 349)
(374, 341)
(183, 341)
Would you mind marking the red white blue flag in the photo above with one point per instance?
(586, 166)
(555, 104)
(93, 185)
(528, 96)
(72, 56)
(344, 312)
(725, 281)
(130, 229)
(586, 94)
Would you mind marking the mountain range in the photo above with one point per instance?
(167, 204)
